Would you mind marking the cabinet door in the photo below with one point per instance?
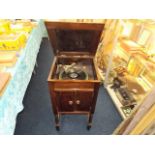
(83, 100)
(66, 101)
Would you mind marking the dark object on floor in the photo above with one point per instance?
(37, 117)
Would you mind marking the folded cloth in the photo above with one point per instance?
(4, 78)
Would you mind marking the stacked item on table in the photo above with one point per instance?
(4, 26)
(14, 26)
(13, 37)
(12, 41)
(13, 34)
(4, 80)
(22, 26)
(8, 59)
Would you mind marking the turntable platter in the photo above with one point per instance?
(82, 75)
(73, 75)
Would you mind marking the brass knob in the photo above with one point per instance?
(70, 102)
(77, 101)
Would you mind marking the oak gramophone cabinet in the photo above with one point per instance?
(73, 81)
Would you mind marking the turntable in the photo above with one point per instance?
(72, 72)
(73, 81)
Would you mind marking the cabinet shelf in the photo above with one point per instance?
(116, 101)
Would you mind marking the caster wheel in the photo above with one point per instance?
(88, 127)
(57, 128)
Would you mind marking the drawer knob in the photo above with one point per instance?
(77, 101)
(70, 102)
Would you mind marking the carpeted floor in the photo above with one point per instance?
(37, 117)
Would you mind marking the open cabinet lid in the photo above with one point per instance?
(74, 37)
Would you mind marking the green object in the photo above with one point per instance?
(127, 110)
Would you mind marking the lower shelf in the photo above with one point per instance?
(116, 101)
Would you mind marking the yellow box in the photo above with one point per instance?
(12, 41)
(4, 26)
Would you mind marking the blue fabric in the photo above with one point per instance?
(11, 101)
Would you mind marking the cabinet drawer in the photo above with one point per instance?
(73, 85)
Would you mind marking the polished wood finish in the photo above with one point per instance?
(74, 36)
(74, 96)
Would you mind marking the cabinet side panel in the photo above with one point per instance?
(53, 98)
(96, 89)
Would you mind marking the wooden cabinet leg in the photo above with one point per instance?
(57, 124)
(57, 128)
(88, 127)
(90, 118)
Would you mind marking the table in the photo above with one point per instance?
(11, 101)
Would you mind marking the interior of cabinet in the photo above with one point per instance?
(84, 64)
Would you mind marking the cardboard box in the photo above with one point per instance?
(4, 26)
(12, 41)
(22, 26)
(4, 79)
(7, 59)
